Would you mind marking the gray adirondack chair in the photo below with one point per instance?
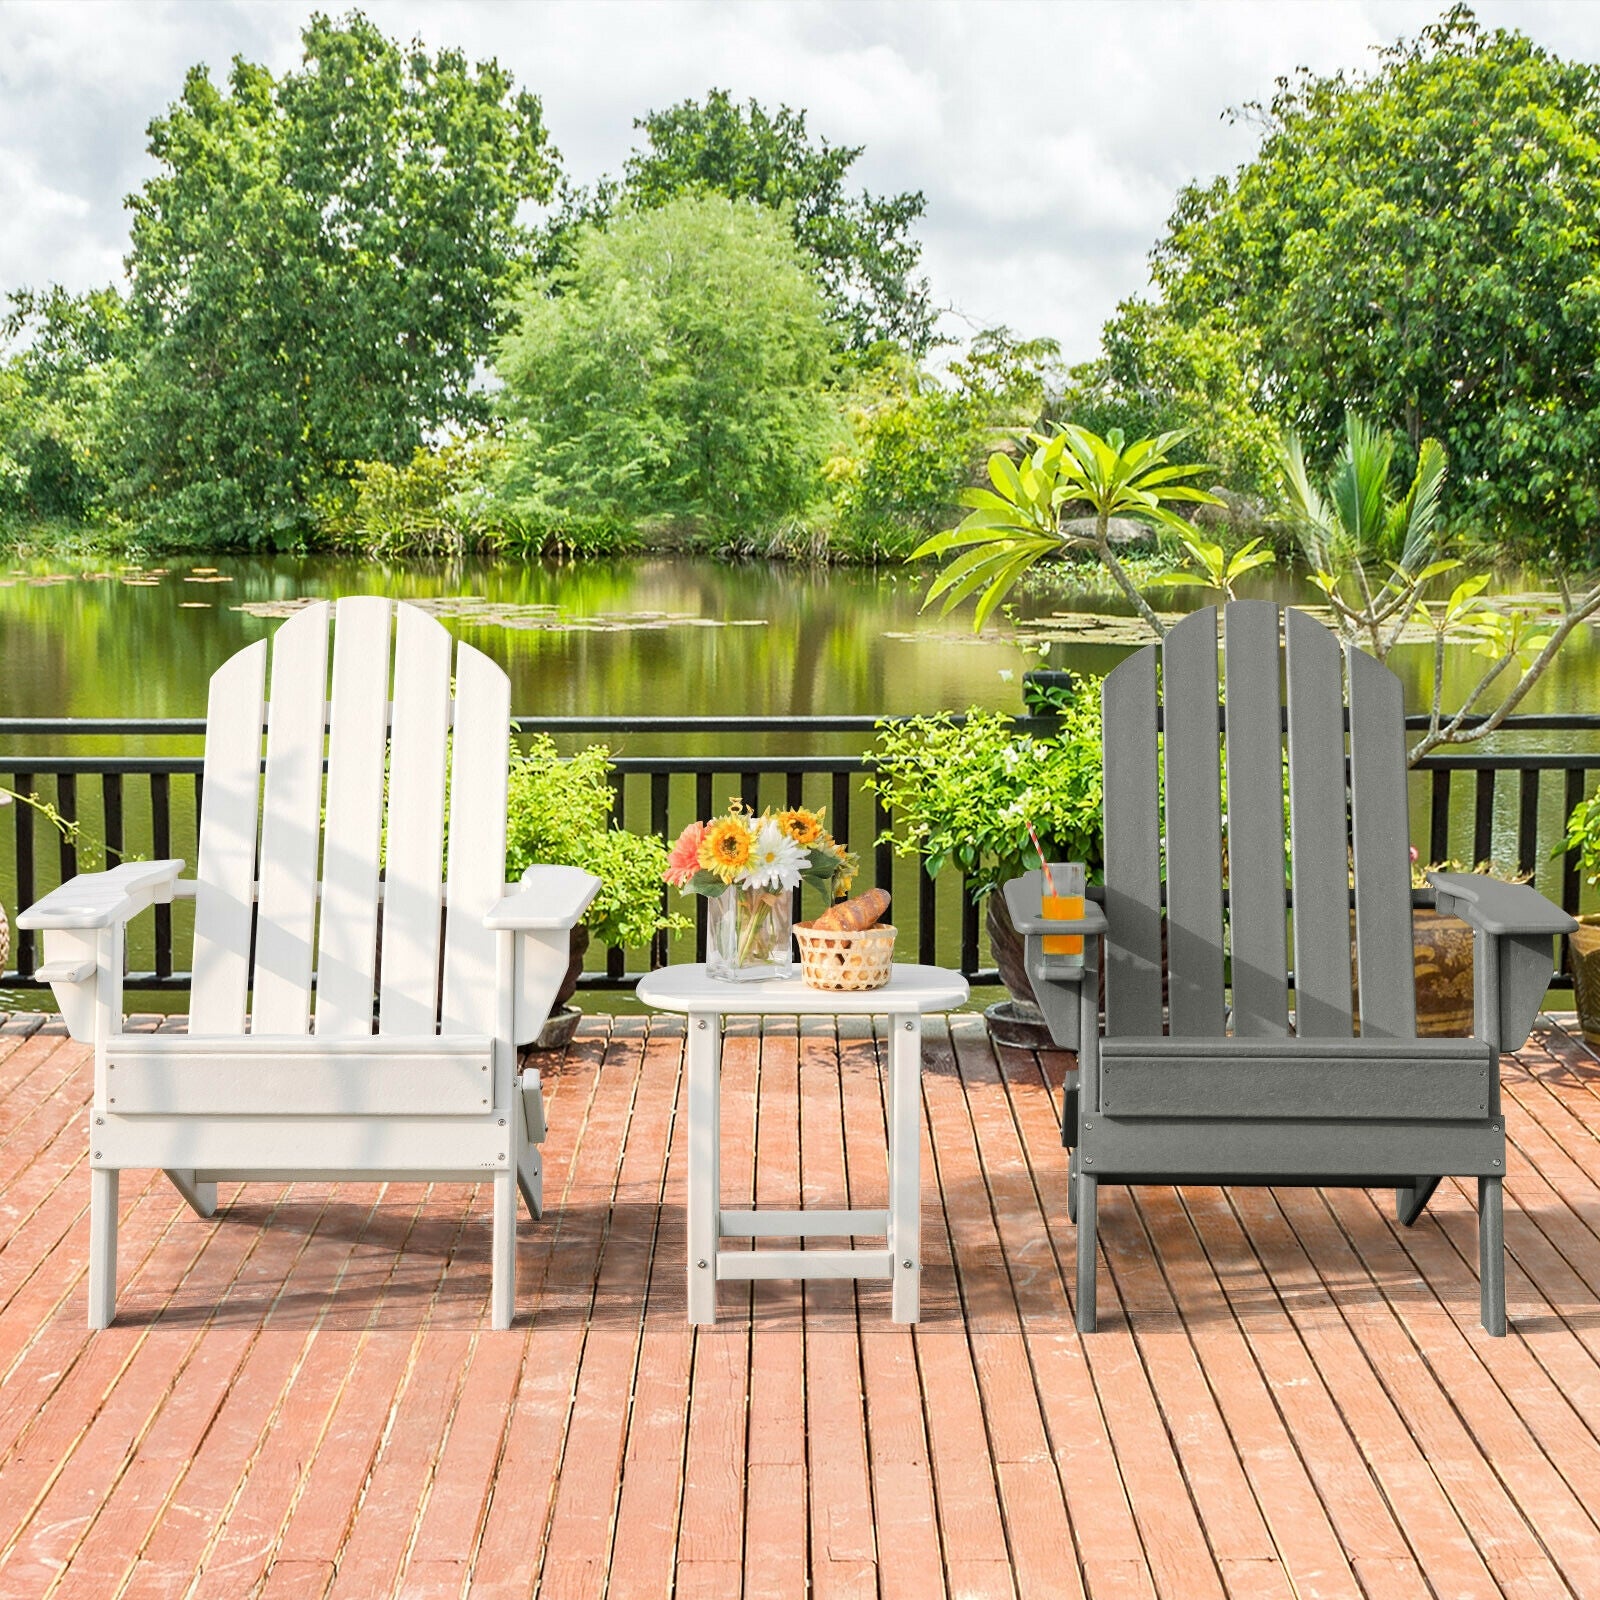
(306, 1059)
(1335, 1089)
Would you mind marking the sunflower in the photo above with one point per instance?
(725, 850)
(804, 827)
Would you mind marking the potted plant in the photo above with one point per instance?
(963, 791)
(559, 813)
(1583, 943)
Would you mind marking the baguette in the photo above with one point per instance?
(851, 916)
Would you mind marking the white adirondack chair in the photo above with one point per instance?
(289, 1071)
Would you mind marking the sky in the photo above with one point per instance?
(1049, 139)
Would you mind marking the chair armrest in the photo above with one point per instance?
(103, 899)
(547, 898)
(1024, 899)
(1498, 907)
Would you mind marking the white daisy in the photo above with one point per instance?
(776, 861)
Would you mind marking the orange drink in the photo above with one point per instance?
(1063, 908)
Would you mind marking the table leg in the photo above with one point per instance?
(905, 1165)
(705, 1138)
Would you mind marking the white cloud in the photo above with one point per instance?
(1049, 139)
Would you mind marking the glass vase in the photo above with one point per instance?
(748, 935)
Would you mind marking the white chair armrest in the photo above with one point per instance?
(103, 899)
(547, 898)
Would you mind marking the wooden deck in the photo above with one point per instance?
(1290, 1395)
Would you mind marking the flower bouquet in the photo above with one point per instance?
(748, 867)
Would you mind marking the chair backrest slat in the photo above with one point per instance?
(347, 934)
(1133, 849)
(291, 825)
(414, 858)
(1257, 917)
(1379, 829)
(1194, 827)
(1319, 837)
(477, 847)
(226, 869)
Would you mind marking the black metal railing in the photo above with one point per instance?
(1473, 806)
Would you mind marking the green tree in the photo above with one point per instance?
(316, 273)
(1423, 243)
(1157, 374)
(860, 246)
(61, 401)
(676, 370)
(917, 443)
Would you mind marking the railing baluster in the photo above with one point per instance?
(969, 927)
(1528, 822)
(111, 809)
(67, 806)
(27, 891)
(1571, 879)
(1439, 824)
(839, 815)
(161, 850)
(927, 918)
(1483, 817)
(660, 793)
(883, 850)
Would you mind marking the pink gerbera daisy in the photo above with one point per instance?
(684, 860)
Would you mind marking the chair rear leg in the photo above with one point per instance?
(202, 1197)
(1491, 1257)
(530, 1180)
(1087, 1198)
(102, 1246)
(1410, 1199)
(1072, 1186)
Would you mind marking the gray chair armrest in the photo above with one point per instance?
(1498, 907)
(1024, 898)
(103, 899)
(1514, 924)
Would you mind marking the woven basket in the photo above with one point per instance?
(832, 958)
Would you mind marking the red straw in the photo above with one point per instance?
(1049, 877)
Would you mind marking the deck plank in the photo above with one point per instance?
(1290, 1394)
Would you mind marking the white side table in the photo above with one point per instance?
(706, 1001)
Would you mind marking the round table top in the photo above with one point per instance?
(910, 990)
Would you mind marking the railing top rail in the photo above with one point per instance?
(76, 727)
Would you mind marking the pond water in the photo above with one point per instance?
(650, 637)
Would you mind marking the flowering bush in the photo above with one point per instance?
(773, 853)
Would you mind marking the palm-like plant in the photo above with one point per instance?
(1024, 517)
(1374, 555)
(1370, 553)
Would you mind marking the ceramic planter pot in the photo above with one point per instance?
(1442, 948)
(1583, 961)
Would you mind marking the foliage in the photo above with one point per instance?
(1352, 527)
(917, 443)
(316, 271)
(1423, 243)
(675, 370)
(962, 792)
(61, 401)
(1025, 516)
(1213, 566)
(438, 504)
(1158, 375)
(1583, 835)
(859, 247)
(559, 814)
